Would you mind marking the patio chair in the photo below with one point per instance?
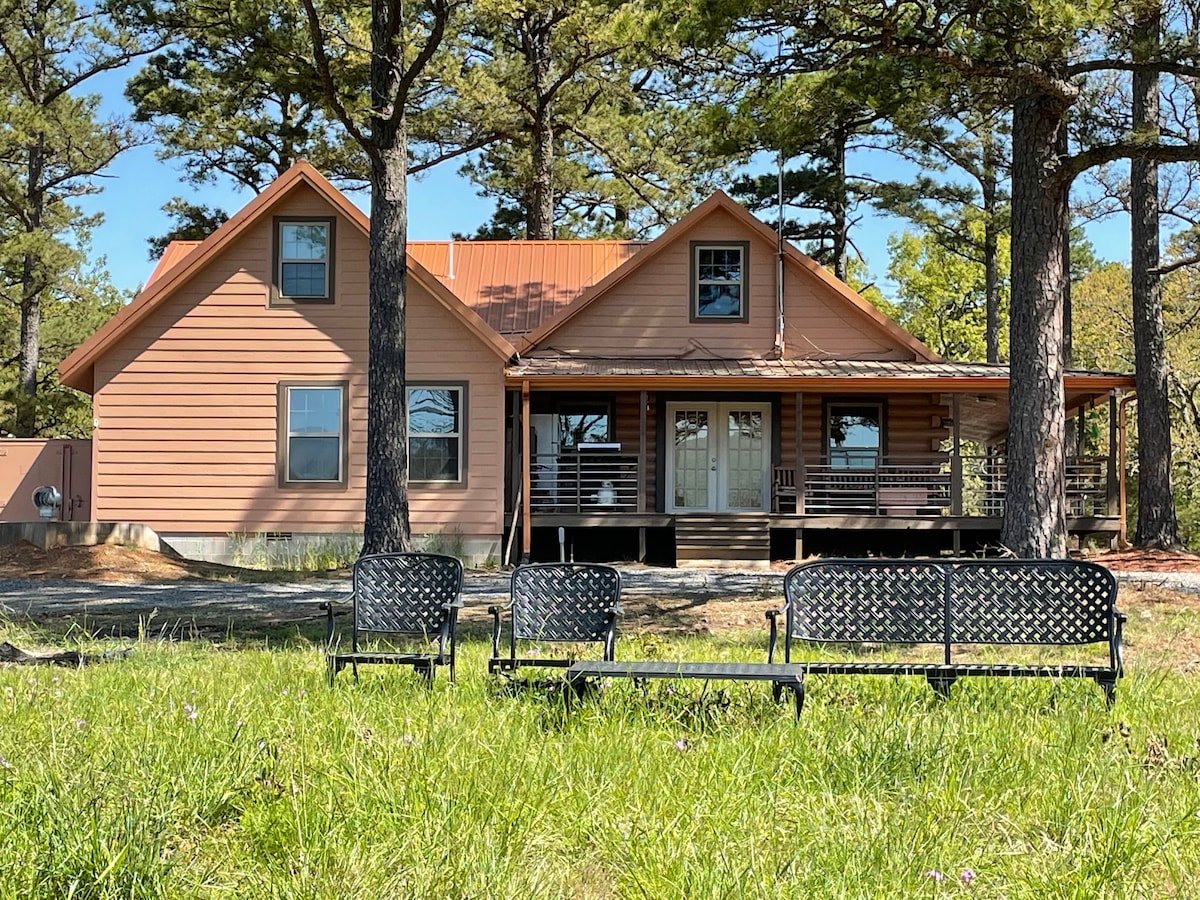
(577, 602)
(407, 594)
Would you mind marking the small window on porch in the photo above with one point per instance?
(583, 423)
(854, 434)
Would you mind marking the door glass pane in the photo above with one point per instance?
(691, 459)
(744, 459)
(854, 436)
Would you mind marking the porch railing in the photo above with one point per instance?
(897, 485)
(925, 486)
(584, 482)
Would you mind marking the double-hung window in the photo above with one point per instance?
(436, 433)
(719, 290)
(313, 433)
(303, 261)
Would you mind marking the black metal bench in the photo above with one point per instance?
(949, 602)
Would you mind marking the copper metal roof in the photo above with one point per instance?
(176, 250)
(515, 286)
(766, 368)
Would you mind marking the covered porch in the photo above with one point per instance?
(742, 459)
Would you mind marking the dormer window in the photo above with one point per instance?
(719, 291)
(303, 264)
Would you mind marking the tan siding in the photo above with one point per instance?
(648, 314)
(187, 404)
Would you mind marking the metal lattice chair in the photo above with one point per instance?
(408, 594)
(576, 602)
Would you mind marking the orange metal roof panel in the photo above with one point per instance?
(176, 250)
(515, 286)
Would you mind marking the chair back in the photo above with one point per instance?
(406, 593)
(564, 601)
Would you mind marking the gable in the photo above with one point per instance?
(300, 191)
(645, 308)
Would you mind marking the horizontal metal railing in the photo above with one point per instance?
(924, 485)
(896, 485)
(584, 482)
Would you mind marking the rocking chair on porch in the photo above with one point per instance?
(783, 486)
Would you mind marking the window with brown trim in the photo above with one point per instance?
(302, 260)
(854, 434)
(313, 425)
(437, 434)
(719, 290)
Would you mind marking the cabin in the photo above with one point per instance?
(712, 394)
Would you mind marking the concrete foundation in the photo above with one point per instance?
(49, 534)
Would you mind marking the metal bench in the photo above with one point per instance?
(414, 594)
(573, 602)
(949, 602)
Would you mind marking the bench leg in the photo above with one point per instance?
(941, 684)
(1109, 686)
(334, 667)
(797, 690)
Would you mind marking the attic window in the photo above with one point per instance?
(303, 261)
(719, 289)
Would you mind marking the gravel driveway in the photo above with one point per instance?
(212, 603)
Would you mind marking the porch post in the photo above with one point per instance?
(956, 470)
(799, 551)
(643, 399)
(799, 454)
(1112, 485)
(526, 479)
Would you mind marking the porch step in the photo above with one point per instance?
(723, 538)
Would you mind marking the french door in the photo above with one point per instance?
(719, 459)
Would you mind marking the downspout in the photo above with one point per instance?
(1122, 531)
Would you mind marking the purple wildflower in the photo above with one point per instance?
(190, 710)
(935, 875)
(681, 744)
(967, 876)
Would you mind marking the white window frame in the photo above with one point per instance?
(743, 313)
(287, 433)
(325, 261)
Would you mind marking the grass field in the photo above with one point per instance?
(193, 769)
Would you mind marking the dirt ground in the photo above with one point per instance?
(113, 562)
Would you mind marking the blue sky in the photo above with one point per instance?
(440, 203)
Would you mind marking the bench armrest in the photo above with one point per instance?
(328, 606)
(1118, 634)
(773, 618)
(495, 611)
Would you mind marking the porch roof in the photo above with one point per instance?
(800, 374)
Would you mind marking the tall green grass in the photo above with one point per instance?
(187, 770)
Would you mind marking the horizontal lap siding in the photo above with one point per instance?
(441, 349)
(648, 314)
(819, 323)
(188, 404)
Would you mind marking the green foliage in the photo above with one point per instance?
(306, 553)
(188, 770)
(225, 101)
(942, 295)
(53, 144)
(626, 157)
(193, 222)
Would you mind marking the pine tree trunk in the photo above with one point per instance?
(386, 524)
(991, 247)
(1034, 517)
(539, 218)
(30, 346)
(841, 209)
(1157, 526)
